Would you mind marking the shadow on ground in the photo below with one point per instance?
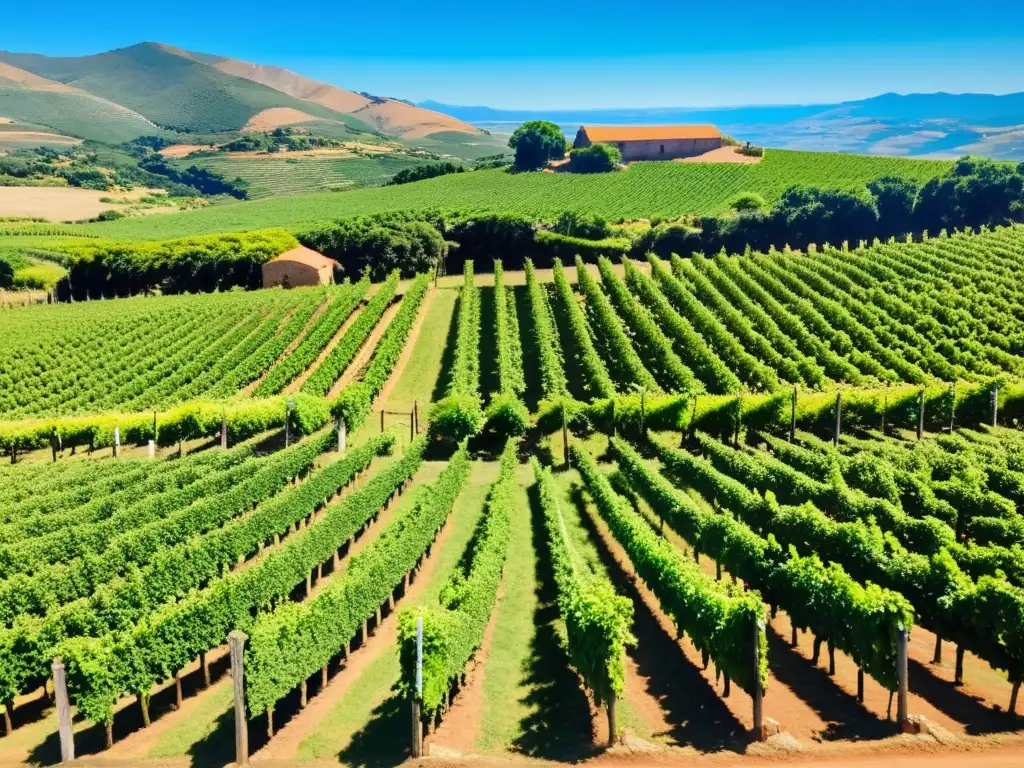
(559, 725)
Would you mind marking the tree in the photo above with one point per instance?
(535, 142)
(597, 158)
(894, 198)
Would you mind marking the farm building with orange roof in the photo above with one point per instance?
(299, 266)
(652, 142)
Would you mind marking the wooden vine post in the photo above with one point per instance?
(381, 419)
(901, 674)
(60, 693)
(995, 404)
(839, 419)
(412, 425)
(342, 434)
(417, 694)
(224, 429)
(236, 643)
(288, 423)
(612, 725)
(759, 732)
(416, 414)
(117, 441)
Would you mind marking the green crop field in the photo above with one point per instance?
(673, 505)
(645, 189)
(74, 114)
(280, 175)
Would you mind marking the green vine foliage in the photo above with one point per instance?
(597, 620)
(595, 379)
(460, 413)
(306, 353)
(861, 620)
(701, 357)
(295, 640)
(354, 403)
(545, 338)
(755, 374)
(454, 629)
(333, 366)
(610, 336)
(721, 619)
(646, 336)
(173, 634)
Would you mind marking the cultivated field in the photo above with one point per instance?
(302, 173)
(786, 525)
(646, 189)
(64, 203)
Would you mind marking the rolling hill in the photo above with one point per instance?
(171, 90)
(642, 191)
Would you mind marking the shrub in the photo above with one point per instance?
(455, 418)
(597, 158)
(506, 416)
(426, 171)
(586, 225)
(748, 202)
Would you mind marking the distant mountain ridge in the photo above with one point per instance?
(190, 92)
(920, 124)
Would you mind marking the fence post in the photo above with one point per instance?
(412, 425)
(901, 672)
(416, 414)
(759, 626)
(236, 642)
(224, 430)
(792, 417)
(60, 693)
(920, 414)
(151, 449)
(342, 434)
(995, 404)
(417, 694)
(381, 419)
(117, 441)
(839, 419)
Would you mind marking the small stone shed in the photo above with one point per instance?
(652, 142)
(299, 266)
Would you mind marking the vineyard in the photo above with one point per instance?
(645, 190)
(741, 506)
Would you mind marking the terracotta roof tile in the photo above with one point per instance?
(307, 256)
(613, 133)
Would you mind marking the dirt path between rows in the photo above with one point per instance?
(407, 351)
(296, 385)
(248, 389)
(355, 369)
(461, 724)
(382, 640)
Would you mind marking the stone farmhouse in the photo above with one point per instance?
(652, 142)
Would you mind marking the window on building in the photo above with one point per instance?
(663, 149)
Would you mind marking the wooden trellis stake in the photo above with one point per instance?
(236, 642)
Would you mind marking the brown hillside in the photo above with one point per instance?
(295, 85)
(33, 82)
(276, 117)
(387, 115)
(409, 122)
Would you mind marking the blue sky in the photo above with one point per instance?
(536, 54)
